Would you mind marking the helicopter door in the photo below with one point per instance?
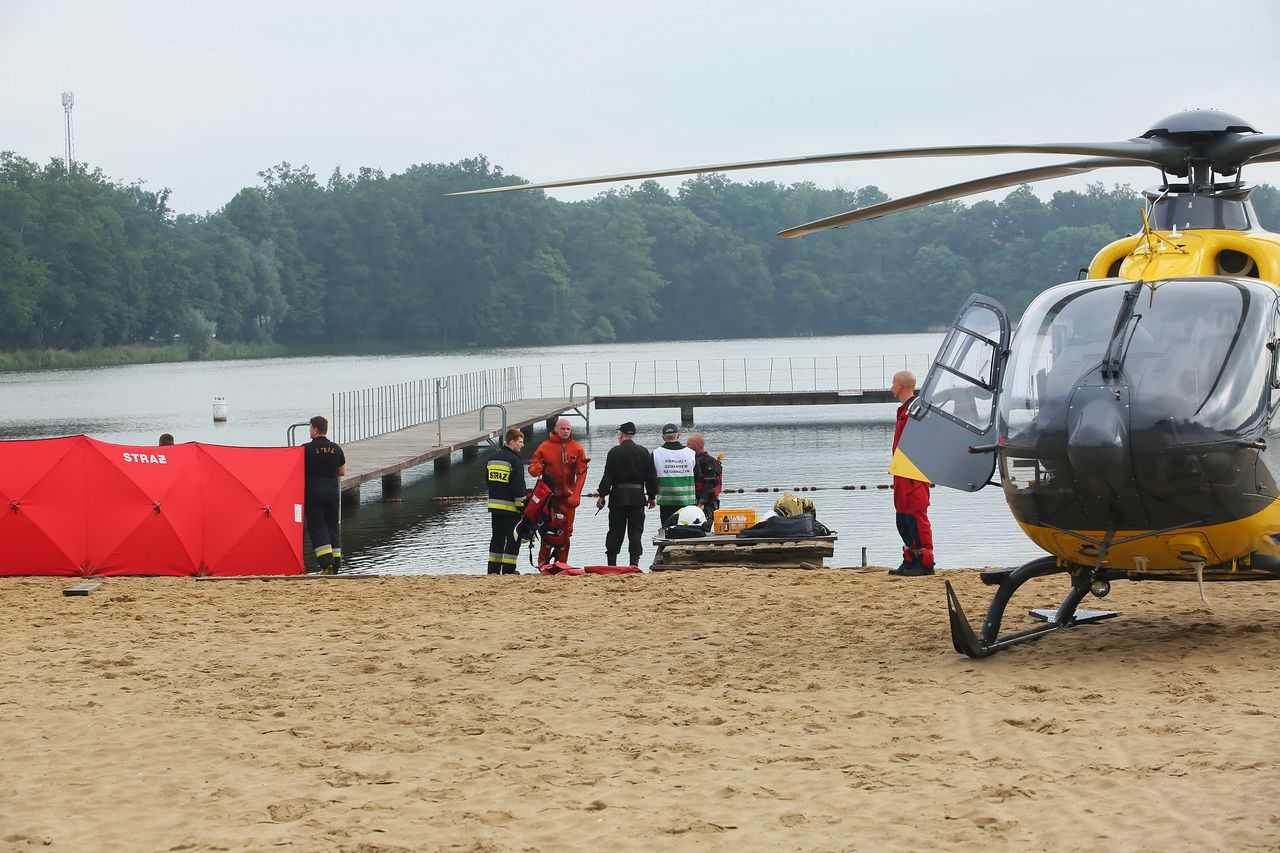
(955, 413)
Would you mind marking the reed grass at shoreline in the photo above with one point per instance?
(53, 359)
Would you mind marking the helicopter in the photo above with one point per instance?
(1134, 415)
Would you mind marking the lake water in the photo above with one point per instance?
(826, 447)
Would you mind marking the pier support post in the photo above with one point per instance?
(350, 500)
(686, 416)
(528, 432)
(551, 424)
(442, 463)
(392, 488)
(471, 452)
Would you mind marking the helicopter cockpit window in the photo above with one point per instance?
(962, 384)
(1192, 354)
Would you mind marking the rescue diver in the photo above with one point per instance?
(675, 465)
(630, 483)
(910, 497)
(708, 475)
(505, 474)
(564, 462)
(324, 465)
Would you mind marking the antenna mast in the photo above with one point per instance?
(68, 101)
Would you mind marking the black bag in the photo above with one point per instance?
(796, 526)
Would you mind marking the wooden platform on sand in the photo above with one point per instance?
(773, 552)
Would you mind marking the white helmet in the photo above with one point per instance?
(693, 515)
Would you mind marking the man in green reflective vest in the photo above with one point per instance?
(675, 465)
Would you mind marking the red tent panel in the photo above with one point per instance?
(42, 501)
(256, 525)
(153, 523)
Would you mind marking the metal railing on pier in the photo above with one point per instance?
(724, 375)
(367, 412)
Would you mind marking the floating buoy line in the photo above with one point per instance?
(759, 490)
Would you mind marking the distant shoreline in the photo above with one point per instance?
(53, 359)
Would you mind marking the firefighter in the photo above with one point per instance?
(505, 472)
(563, 460)
(324, 464)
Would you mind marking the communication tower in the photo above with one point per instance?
(68, 101)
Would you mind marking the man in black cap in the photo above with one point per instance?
(675, 465)
(629, 482)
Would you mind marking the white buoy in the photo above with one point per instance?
(219, 409)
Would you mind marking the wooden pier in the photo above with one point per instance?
(687, 401)
(385, 456)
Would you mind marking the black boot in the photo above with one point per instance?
(908, 567)
(611, 559)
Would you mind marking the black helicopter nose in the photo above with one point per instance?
(1098, 438)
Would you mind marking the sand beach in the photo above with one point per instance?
(708, 710)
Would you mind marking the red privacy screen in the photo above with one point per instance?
(76, 506)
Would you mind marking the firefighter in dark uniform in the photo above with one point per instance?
(324, 466)
(630, 482)
(505, 473)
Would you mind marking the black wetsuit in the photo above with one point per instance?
(323, 459)
(709, 474)
(629, 482)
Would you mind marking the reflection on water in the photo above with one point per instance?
(827, 447)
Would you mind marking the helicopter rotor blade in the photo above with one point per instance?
(994, 182)
(1139, 150)
(1240, 151)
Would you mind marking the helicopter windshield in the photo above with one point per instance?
(1192, 353)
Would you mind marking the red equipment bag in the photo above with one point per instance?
(562, 569)
(538, 501)
(555, 533)
(611, 570)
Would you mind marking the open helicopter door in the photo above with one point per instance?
(951, 438)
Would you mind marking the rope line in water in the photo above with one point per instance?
(760, 490)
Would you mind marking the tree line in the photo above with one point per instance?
(369, 259)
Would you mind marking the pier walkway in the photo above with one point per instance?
(687, 401)
(386, 455)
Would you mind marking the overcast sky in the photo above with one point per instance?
(201, 97)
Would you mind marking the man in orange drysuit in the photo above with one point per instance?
(564, 462)
(910, 497)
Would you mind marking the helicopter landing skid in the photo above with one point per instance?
(966, 642)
